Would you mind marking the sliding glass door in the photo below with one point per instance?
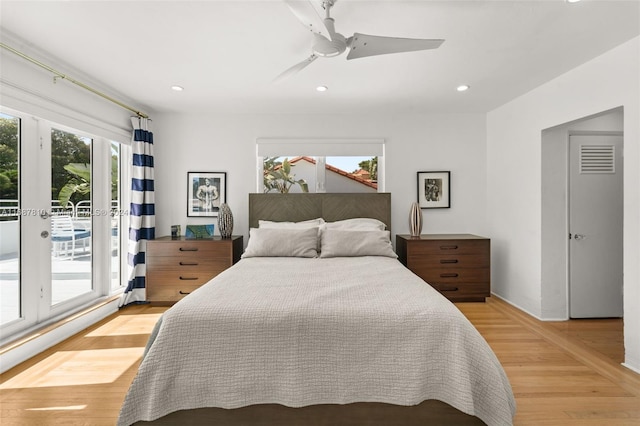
(60, 220)
(10, 297)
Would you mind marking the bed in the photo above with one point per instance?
(317, 325)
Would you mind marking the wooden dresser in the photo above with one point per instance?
(457, 265)
(177, 266)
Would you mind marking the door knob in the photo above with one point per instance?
(579, 236)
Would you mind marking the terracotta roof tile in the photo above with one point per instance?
(351, 176)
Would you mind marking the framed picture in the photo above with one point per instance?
(205, 192)
(434, 190)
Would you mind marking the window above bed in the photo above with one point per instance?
(320, 165)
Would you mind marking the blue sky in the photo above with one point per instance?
(348, 164)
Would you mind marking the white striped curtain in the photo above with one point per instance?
(142, 212)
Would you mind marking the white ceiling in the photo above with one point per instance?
(226, 53)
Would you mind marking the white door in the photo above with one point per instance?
(595, 226)
(45, 270)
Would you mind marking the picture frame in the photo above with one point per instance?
(205, 192)
(434, 190)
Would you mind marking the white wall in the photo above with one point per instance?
(514, 177)
(28, 88)
(227, 143)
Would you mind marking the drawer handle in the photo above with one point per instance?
(184, 292)
(452, 247)
(449, 289)
(188, 264)
(189, 249)
(188, 278)
(454, 275)
(448, 260)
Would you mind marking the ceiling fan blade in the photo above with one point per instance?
(294, 69)
(308, 16)
(362, 45)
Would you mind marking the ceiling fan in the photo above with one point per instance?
(329, 43)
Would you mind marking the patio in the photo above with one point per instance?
(70, 278)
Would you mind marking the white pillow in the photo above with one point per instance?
(359, 223)
(312, 223)
(341, 243)
(266, 242)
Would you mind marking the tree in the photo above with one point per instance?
(370, 166)
(66, 148)
(8, 158)
(115, 177)
(278, 176)
(9, 184)
(78, 186)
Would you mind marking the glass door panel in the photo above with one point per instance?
(116, 216)
(10, 212)
(71, 218)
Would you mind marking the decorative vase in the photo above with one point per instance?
(415, 220)
(225, 221)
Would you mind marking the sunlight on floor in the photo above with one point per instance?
(69, 408)
(73, 368)
(127, 325)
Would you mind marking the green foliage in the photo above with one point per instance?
(9, 184)
(66, 148)
(114, 177)
(5, 183)
(370, 166)
(78, 186)
(8, 158)
(278, 176)
(70, 164)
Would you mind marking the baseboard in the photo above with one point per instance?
(520, 308)
(631, 367)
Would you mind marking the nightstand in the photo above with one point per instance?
(177, 266)
(457, 265)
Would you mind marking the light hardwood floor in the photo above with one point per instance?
(562, 373)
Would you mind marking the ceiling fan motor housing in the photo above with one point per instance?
(328, 48)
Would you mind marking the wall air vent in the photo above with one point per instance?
(597, 159)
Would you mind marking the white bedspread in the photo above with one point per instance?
(299, 331)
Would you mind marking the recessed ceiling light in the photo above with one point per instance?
(322, 88)
(572, 1)
(177, 88)
(462, 88)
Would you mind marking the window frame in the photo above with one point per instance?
(319, 148)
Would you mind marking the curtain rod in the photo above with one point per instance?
(58, 74)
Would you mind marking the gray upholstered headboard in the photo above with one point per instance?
(330, 207)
